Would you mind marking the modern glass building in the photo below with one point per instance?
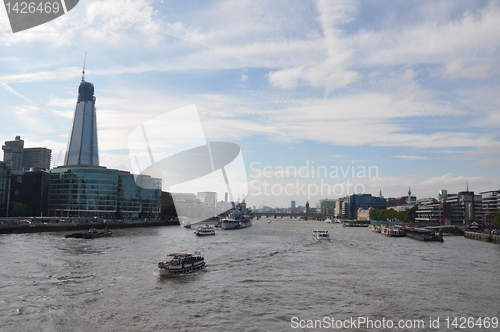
(82, 144)
(5, 174)
(364, 201)
(96, 191)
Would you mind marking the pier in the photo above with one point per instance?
(483, 237)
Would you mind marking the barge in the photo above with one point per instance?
(423, 234)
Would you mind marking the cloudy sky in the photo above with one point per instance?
(402, 93)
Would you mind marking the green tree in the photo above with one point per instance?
(21, 210)
(496, 219)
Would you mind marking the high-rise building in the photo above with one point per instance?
(13, 154)
(36, 158)
(209, 198)
(364, 201)
(82, 188)
(327, 206)
(82, 144)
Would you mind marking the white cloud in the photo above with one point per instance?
(432, 40)
(15, 93)
(457, 69)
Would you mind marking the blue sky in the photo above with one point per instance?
(409, 88)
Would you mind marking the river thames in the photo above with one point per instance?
(269, 277)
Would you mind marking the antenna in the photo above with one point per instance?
(83, 71)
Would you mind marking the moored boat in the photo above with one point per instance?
(321, 235)
(377, 229)
(239, 217)
(180, 263)
(91, 234)
(205, 230)
(393, 231)
(423, 234)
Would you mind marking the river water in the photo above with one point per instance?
(269, 277)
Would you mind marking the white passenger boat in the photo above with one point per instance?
(180, 264)
(320, 235)
(205, 230)
(393, 231)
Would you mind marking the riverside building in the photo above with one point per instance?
(463, 208)
(83, 188)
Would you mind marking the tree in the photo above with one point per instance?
(21, 210)
(496, 219)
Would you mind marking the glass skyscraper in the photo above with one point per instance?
(82, 144)
(82, 188)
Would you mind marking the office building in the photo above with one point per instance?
(31, 189)
(13, 154)
(210, 199)
(4, 188)
(463, 208)
(82, 188)
(363, 201)
(327, 207)
(96, 191)
(491, 202)
(37, 158)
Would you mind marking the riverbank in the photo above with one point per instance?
(58, 227)
(483, 237)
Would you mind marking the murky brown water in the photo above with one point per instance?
(256, 279)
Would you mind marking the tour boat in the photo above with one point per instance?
(91, 234)
(205, 230)
(377, 229)
(393, 231)
(180, 264)
(319, 235)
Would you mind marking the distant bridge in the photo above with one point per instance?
(259, 215)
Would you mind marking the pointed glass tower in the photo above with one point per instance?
(82, 144)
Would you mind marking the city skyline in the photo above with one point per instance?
(408, 89)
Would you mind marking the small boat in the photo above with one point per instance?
(205, 230)
(377, 229)
(91, 234)
(320, 235)
(180, 264)
(393, 231)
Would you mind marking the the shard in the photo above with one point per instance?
(82, 144)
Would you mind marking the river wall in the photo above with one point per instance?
(57, 227)
(483, 237)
